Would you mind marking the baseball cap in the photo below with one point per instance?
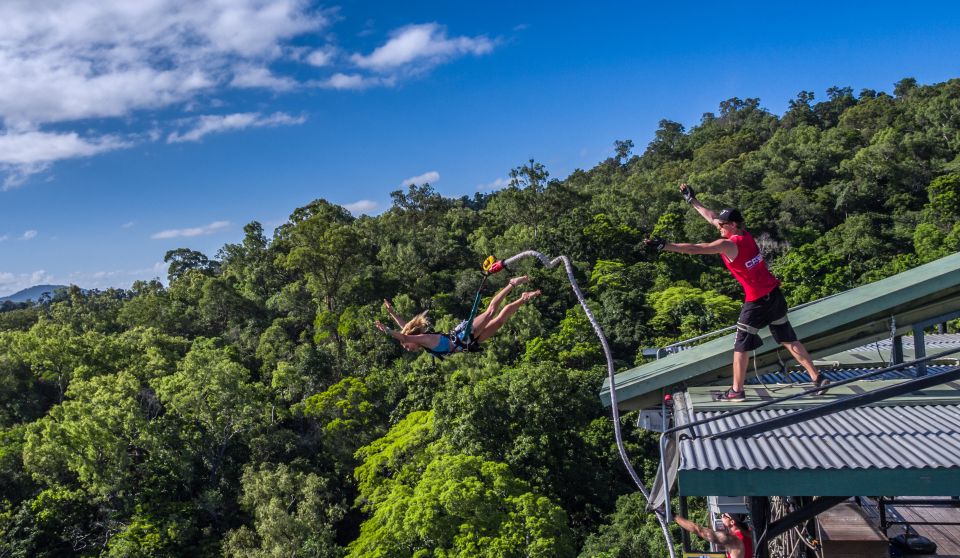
(730, 214)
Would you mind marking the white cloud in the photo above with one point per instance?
(23, 154)
(253, 77)
(431, 177)
(321, 57)
(28, 235)
(495, 185)
(14, 282)
(192, 231)
(212, 124)
(72, 60)
(361, 206)
(128, 224)
(67, 61)
(352, 81)
(426, 44)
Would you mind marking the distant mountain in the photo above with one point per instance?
(33, 293)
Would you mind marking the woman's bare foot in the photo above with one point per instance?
(519, 280)
(529, 294)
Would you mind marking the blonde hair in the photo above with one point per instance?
(417, 324)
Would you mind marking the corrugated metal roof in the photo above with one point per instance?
(878, 353)
(932, 341)
(867, 438)
(838, 374)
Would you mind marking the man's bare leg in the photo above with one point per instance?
(801, 355)
(740, 361)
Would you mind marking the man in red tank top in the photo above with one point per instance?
(734, 538)
(764, 304)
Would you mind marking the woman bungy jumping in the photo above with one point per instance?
(413, 335)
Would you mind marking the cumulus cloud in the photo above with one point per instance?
(427, 177)
(213, 124)
(110, 57)
(361, 206)
(321, 57)
(28, 235)
(69, 61)
(425, 45)
(191, 231)
(25, 153)
(263, 78)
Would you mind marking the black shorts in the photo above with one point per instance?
(770, 310)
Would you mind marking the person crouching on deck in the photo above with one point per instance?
(414, 334)
(764, 304)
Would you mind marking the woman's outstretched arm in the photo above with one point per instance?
(393, 313)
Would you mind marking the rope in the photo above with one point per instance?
(614, 406)
(473, 311)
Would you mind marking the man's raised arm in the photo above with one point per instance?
(691, 197)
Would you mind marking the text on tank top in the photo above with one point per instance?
(749, 269)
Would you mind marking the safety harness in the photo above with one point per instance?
(461, 338)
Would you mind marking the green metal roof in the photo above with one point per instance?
(843, 321)
(903, 446)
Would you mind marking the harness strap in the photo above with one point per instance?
(473, 311)
(747, 329)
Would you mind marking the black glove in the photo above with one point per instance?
(657, 243)
(688, 194)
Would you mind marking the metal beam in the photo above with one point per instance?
(843, 404)
(806, 513)
(919, 349)
(896, 352)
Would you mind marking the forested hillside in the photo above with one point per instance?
(250, 407)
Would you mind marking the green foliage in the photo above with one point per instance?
(462, 506)
(633, 532)
(684, 312)
(250, 408)
(215, 401)
(293, 515)
(540, 421)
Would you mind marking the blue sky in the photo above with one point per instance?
(131, 128)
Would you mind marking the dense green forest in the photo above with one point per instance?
(250, 408)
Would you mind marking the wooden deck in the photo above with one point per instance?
(849, 533)
(947, 537)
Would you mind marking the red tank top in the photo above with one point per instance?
(747, 543)
(749, 268)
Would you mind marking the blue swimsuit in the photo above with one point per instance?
(459, 342)
(443, 346)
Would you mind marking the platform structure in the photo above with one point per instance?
(796, 456)
(908, 302)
